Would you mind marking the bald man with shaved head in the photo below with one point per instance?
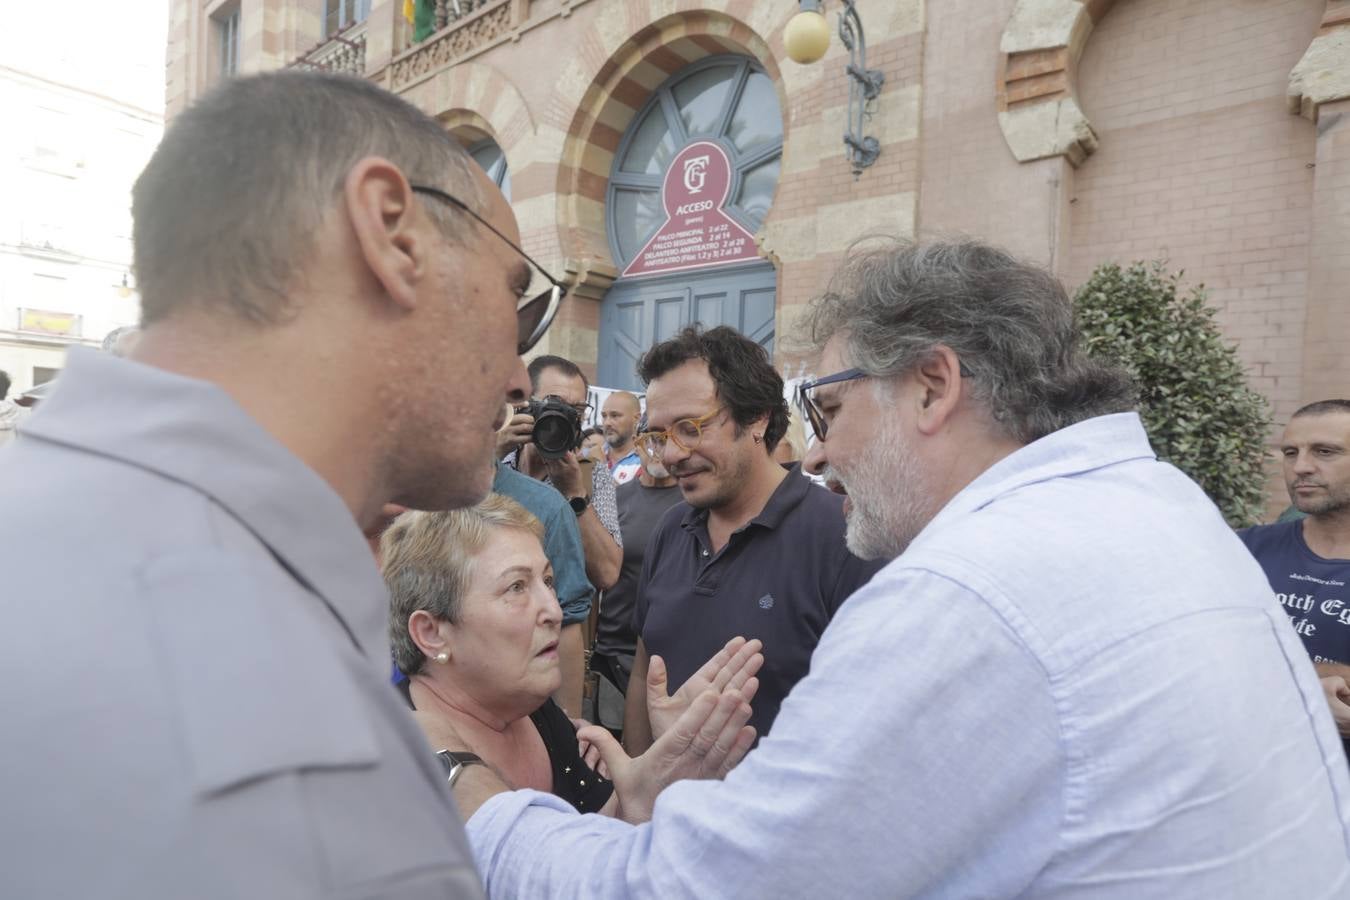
(618, 420)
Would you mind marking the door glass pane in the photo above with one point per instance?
(636, 215)
(701, 97)
(756, 192)
(651, 147)
(493, 161)
(486, 155)
(756, 121)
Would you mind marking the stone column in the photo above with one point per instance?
(1319, 88)
(1040, 118)
(1326, 337)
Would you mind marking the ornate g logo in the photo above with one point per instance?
(695, 173)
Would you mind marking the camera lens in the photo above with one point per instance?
(553, 435)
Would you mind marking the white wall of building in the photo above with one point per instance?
(81, 119)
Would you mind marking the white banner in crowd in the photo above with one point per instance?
(598, 395)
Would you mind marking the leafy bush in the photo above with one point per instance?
(1193, 396)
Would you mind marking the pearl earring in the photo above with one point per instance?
(442, 657)
(758, 438)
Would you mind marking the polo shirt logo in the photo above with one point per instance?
(766, 602)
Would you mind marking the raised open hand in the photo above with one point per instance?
(706, 741)
(733, 668)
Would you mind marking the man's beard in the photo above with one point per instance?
(728, 480)
(1333, 501)
(888, 497)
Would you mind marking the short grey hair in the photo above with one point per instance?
(1010, 323)
(428, 564)
(228, 205)
(120, 340)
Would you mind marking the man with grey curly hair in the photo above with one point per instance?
(1070, 680)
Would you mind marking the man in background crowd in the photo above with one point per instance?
(589, 491)
(1071, 681)
(122, 341)
(1308, 560)
(752, 551)
(619, 419)
(642, 503)
(10, 412)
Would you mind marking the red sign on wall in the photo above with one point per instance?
(697, 232)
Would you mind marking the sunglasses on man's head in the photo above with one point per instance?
(533, 314)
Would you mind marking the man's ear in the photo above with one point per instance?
(939, 388)
(384, 219)
(757, 429)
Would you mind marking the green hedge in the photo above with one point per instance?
(1200, 414)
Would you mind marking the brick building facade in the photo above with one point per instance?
(1212, 134)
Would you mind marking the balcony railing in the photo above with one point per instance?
(462, 26)
(343, 52)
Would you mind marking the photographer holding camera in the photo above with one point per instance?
(541, 441)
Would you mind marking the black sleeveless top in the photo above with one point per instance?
(573, 780)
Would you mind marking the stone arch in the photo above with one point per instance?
(478, 98)
(468, 125)
(633, 67)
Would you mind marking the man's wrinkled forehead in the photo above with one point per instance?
(1318, 428)
(622, 403)
(496, 209)
(833, 359)
(834, 355)
(687, 391)
(556, 382)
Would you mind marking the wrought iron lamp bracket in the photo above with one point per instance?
(863, 88)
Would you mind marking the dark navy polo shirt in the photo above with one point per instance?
(780, 578)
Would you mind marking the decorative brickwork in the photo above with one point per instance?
(465, 35)
(1191, 154)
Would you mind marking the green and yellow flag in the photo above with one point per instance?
(421, 15)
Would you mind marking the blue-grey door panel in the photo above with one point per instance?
(638, 313)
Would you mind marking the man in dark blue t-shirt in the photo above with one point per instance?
(1308, 560)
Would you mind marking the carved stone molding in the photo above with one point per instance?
(1043, 130)
(459, 39)
(1043, 40)
(344, 52)
(1037, 109)
(1323, 74)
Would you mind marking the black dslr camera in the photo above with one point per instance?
(557, 426)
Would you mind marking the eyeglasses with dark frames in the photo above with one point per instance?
(808, 406)
(812, 410)
(533, 314)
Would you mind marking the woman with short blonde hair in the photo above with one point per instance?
(474, 623)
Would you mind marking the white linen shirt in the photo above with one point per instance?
(1073, 684)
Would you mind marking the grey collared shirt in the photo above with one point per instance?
(194, 664)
